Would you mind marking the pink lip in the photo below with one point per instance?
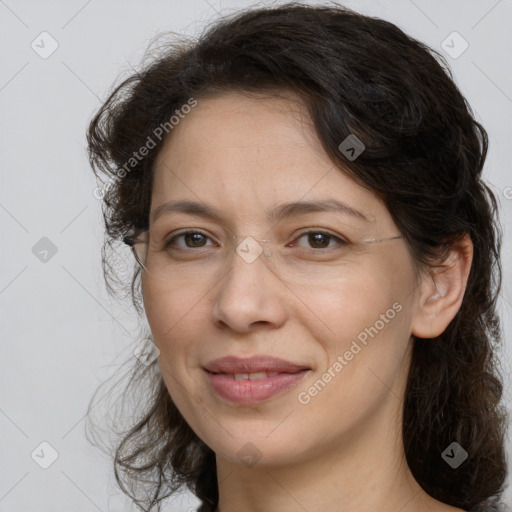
(232, 364)
(252, 391)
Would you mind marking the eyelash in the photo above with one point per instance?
(340, 241)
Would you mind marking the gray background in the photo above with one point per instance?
(62, 335)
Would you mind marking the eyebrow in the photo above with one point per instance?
(279, 213)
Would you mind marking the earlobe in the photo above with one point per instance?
(442, 291)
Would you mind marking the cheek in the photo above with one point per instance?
(363, 363)
(175, 322)
(175, 317)
(362, 327)
(340, 311)
(169, 308)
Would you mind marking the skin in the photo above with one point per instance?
(343, 450)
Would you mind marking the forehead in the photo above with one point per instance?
(231, 123)
(244, 153)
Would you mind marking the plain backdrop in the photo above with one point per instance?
(61, 334)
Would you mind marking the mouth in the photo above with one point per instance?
(250, 388)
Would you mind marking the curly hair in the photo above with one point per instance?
(424, 158)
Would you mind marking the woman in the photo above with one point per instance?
(318, 260)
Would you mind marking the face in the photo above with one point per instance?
(345, 315)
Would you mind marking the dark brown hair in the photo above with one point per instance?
(424, 157)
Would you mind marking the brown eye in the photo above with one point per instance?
(193, 239)
(321, 239)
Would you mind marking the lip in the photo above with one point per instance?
(233, 364)
(253, 391)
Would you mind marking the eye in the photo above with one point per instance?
(196, 239)
(319, 239)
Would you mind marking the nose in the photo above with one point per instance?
(250, 294)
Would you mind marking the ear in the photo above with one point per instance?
(442, 291)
